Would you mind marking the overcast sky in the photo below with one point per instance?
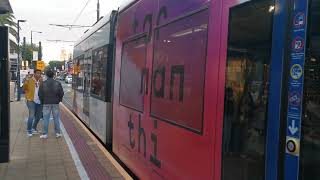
(40, 13)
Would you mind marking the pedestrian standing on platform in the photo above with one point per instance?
(31, 88)
(51, 94)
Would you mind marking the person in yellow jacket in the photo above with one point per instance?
(31, 89)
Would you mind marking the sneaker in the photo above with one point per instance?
(58, 135)
(35, 131)
(44, 136)
(30, 134)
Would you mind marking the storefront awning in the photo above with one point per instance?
(5, 7)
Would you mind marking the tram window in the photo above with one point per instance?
(246, 91)
(179, 71)
(78, 76)
(101, 36)
(310, 143)
(132, 66)
(99, 71)
(86, 69)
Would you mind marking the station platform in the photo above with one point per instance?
(76, 155)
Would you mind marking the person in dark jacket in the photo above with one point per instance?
(51, 94)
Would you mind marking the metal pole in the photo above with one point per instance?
(24, 53)
(31, 40)
(4, 94)
(40, 52)
(98, 11)
(18, 66)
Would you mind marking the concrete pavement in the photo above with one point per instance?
(34, 158)
(77, 155)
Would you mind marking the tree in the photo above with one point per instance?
(8, 20)
(27, 51)
(54, 65)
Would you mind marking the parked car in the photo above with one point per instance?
(68, 79)
(60, 78)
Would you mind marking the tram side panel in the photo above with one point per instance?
(98, 118)
(92, 102)
(163, 124)
(78, 106)
(99, 115)
(98, 123)
(78, 87)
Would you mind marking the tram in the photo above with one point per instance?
(92, 80)
(205, 89)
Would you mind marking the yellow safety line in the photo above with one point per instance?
(101, 147)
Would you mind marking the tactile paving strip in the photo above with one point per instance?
(90, 162)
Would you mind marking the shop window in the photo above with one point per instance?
(179, 72)
(132, 71)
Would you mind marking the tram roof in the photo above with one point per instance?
(126, 4)
(94, 28)
(103, 21)
(5, 7)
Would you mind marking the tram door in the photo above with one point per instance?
(310, 123)
(302, 141)
(86, 83)
(247, 83)
(254, 39)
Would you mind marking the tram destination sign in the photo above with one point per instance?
(295, 88)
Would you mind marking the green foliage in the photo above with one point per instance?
(27, 52)
(55, 64)
(9, 21)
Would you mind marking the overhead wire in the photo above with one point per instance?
(78, 16)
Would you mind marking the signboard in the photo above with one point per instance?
(76, 69)
(295, 88)
(35, 55)
(31, 71)
(69, 67)
(40, 65)
(70, 70)
(65, 65)
(23, 75)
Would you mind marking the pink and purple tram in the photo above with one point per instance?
(198, 88)
(162, 127)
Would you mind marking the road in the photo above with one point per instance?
(67, 88)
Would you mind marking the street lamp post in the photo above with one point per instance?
(31, 35)
(18, 67)
(98, 11)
